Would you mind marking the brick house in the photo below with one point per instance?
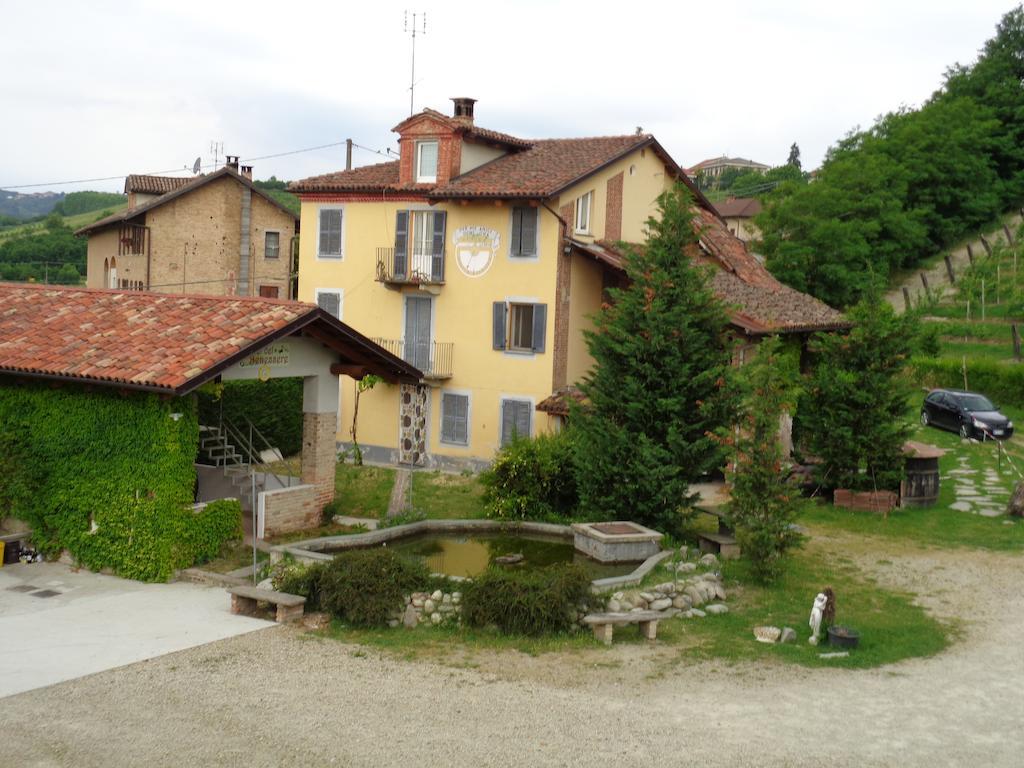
(215, 234)
(480, 258)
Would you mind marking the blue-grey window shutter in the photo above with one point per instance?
(528, 232)
(517, 231)
(437, 262)
(522, 411)
(330, 302)
(540, 316)
(500, 319)
(508, 421)
(401, 243)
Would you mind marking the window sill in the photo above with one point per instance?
(331, 256)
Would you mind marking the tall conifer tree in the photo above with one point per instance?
(658, 389)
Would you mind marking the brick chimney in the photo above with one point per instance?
(463, 109)
(231, 161)
(247, 171)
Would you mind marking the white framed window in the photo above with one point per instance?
(519, 326)
(516, 419)
(271, 245)
(523, 239)
(455, 418)
(331, 233)
(331, 300)
(426, 162)
(583, 213)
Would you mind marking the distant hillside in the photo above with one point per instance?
(277, 189)
(88, 201)
(16, 205)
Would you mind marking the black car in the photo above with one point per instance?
(970, 414)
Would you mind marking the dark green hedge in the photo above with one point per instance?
(112, 478)
(274, 407)
(524, 602)
(1001, 382)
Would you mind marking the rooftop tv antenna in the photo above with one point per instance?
(412, 31)
(216, 148)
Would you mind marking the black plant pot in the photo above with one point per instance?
(843, 637)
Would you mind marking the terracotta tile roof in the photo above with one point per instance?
(739, 162)
(365, 178)
(466, 128)
(154, 185)
(738, 207)
(557, 403)
(758, 303)
(184, 189)
(543, 170)
(159, 342)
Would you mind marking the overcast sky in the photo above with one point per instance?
(94, 89)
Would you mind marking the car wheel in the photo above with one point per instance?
(965, 430)
(925, 421)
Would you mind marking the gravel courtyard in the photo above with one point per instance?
(280, 697)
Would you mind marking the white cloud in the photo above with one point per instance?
(104, 88)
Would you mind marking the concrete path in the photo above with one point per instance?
(57, 624)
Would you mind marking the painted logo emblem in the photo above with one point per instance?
(475, 249)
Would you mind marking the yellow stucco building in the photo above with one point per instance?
(480, 258)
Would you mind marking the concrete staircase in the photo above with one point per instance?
(216, 447)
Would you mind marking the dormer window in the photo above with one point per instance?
(426, 162)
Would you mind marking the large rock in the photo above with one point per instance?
(436, 597)
(696, 598)
(435, 618)
(614, 606)
(646, 596)
(717, 608)
(1016, 506)
(709, 560)
(788, 635)
(429, 606)
(660, 605)
(767, 634)
(686, 567)
(719, 592)
(682, 602)
(697, 613)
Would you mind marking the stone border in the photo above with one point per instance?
(311, 550)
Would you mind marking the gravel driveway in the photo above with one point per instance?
(279, 697)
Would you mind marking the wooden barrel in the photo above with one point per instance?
(921, 488)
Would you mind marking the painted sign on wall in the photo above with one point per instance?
(475, 249)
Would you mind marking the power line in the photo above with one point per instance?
(180, 170)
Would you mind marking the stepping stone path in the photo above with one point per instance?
(980, 492)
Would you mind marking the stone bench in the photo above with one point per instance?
(722, 544)
(245, 599)
(604, 623)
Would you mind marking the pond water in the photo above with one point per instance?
(468, 555)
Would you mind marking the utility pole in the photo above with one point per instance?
(348, 154)
(411, 31)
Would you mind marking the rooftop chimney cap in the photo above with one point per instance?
(231, 161)
(246, 171)
(463, 107)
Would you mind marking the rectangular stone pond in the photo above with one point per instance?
(616, 542)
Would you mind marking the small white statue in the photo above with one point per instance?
(817, 611)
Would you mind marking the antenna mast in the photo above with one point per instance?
(411, 31)
(216, 147)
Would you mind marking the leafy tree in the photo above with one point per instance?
(84, 202)
(659, 386)
(794, 156)
(67, 275)
(854, 418)
(762, 506)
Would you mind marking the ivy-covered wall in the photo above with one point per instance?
(111, 478)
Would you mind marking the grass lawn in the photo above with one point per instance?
(364, 491)
(441, 495)
(892, 628)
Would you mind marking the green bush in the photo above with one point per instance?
(366, 586)
(111, 478)
(1003, 382)
(299, 579)
(520, 602)
(274, 407)
(533, 479)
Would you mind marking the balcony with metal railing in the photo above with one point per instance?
(433, 358)
(398, 269)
